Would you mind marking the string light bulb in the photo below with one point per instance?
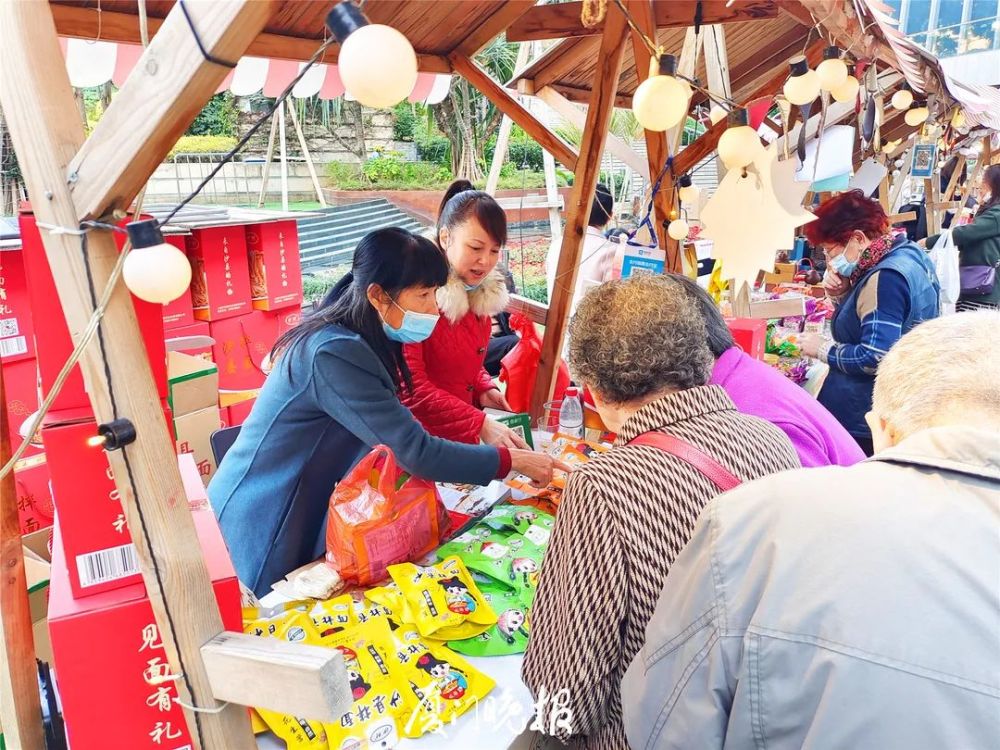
(902, 99)
(847, 91)
(803, 84)
(717, 114)
(832, 72)
(688, 192)
(661, 101)
(377, 63)
(154, 270)
(917, 114)
(678, 229)
(740, 144)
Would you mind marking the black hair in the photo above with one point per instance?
(602, 209)
(393, 258)
(719, 337)
(462, 201)
(992, 178)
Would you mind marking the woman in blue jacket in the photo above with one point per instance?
(330, 398)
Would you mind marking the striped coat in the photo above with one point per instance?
(623, 519)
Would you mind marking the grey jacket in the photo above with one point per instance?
(835, 608)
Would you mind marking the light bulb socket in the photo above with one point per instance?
(684, 181)
(144, 233)
(738, 118)
(917, 103)
(344, 19)
(117, 434)
(667, 65)
(798, 66)
(831, 53)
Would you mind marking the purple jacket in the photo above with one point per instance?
(762, 391)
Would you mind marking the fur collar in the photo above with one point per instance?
(489, 299)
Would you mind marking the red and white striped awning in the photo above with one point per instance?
(95, 63)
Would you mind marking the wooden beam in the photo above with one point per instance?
(296, 679)
(493, 26)
(903, 217)
(38, 104)
(111, 26)
(511, 107)
(896, 192)
(956, 175)
(981, 162)
(565, 58)
(687, 64)
(931, 188)
(536, 312)
(20, 710)
(577, 117)
(717, 70)
(588, 169)
(164, 93)
(503, 136)
(582, 96)
(563, 19)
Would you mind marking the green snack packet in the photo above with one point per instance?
(511, 560)
(467, 542)
(508, 636)
(532, 523)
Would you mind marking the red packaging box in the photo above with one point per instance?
(220, 272)
(275, 273)
(238, 413)
(17, 333)
(34, 493)
(98, 546)
(52, 336)
(749, 334)
(192, 339)
(180, 312)
(242, 345)
(106, 646)
(20, 386)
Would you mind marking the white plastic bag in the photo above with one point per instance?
(944, 256)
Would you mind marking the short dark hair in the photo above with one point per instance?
(719, 337)
(602, 209)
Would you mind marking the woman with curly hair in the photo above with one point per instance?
(642, 348)
(882, 287)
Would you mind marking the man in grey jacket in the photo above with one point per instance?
(847, 607)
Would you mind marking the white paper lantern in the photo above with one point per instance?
(154, 270)
(802, 85)
(916, 115)
(740, 144)
(678, 229)
(847, 91)
(717, 114)
(661, 101)
(898, 163)
(896, 173)
(689, 194)
(832, 72)
(902, 99)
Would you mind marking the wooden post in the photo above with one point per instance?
(599, 112)
(930, 198)
(266, 171)
(897, 186)
(981, 163)
(503, 137)
(552, 195)
(740, 300)
(717, 67)
(20, 709)
(305, 152)
(284, 158)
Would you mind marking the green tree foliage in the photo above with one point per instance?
(219, 117)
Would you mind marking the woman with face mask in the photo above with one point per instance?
(331, 396)
(450, 386)
(882, 287)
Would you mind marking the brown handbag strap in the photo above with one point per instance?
(706, 465)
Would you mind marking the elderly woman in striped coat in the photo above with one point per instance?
(641, 347)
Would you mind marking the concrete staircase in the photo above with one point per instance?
(329, 239)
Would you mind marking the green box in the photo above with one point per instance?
(519, 423)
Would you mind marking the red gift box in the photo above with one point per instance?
(17, 334)
(34, 493)
(749, 334)
(109, 646)
(238, 413)
(180, 312)
(220, 272)
(52, 336)
(242, 345)
(192, 345)
(98, 545)
(20, 386)
(275, 273)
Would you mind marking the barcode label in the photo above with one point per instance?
(13, 347)
(107, 565)
(8, 327)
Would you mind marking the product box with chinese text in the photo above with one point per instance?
(275, 273)
(35, 508)
(52, 337)
(180, 312)
(108, 648)
(20, 388)
(242, 346)
(220, 274)
(750, 335)
(17, 337)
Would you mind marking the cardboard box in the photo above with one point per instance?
(52, 337)
(17, 333)
(35, 508)
(242, 346)
(750, 335)
(275, 272)
(109, 645)
(195, 339)
(37, 550)
(194, 432)
(238, 413)
(20, 386)
(220, 272)
(193, 383)
(180, 312)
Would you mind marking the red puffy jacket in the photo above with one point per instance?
(447, 369)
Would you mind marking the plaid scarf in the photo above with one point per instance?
(871, 256)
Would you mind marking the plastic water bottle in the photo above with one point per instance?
(571, 413)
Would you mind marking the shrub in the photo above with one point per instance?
(218, 117)
(435, 149)
(202, 144)
(537, 290)
(404, 127)
(384, 168)
(345, 176)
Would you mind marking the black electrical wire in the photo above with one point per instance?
(204, 52)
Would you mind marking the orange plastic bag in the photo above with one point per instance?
(380, 516)
(519, 368)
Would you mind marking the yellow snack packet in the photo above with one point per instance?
(442, 597)
(257, 724)
(298, 734)
(445, 686)
(333, 615)
(389, 600)
(373, 722)
(298, 627)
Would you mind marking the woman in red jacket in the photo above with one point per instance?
(450, 386)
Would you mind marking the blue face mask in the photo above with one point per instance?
(471, 287)
(843, 266)
(416, 327)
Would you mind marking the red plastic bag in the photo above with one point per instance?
(380, 516)
(519, 368)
